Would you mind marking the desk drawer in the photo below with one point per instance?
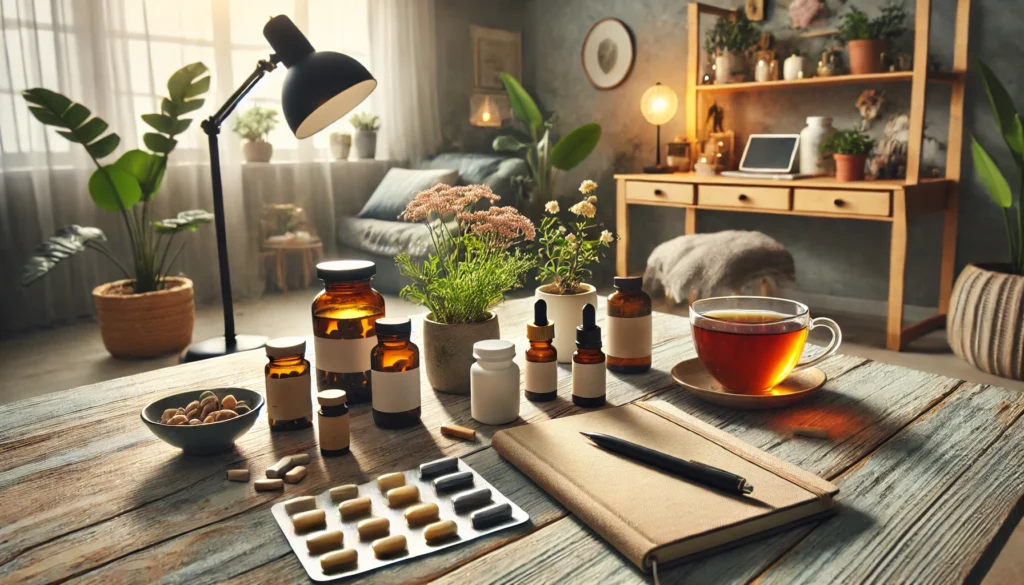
(737, 196)
(842, 202)
(659, 192)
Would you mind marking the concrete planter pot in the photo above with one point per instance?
(148, 324)
(566, 312)
(257, 151)
(366, 144)
(448, 351)
(865, 56)
(985, 323)
(341, 145)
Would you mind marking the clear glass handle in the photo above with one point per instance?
(837, 338)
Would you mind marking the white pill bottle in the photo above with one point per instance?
(494, 383)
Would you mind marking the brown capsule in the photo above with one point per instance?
(208, 419)
(338, 559)
(166, 416)
(209, 400)
(191, 405)
(228, 402)
(195, 422)
(206, 394)
(224, 415)
(178, 419)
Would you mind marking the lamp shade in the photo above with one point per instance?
(321, 86)
(659, 104)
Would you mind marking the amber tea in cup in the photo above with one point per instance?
(751, 344)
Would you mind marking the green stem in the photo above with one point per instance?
(103, 250)
(160, 273)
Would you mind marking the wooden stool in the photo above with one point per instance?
(311, 251)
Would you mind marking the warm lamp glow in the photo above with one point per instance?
(484, 111)
(659, 104)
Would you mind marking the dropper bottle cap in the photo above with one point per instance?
(540, 329)
(588, 335)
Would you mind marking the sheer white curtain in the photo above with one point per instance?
(403, 53)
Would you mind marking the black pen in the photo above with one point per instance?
(692, 470)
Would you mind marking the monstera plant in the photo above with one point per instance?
(127, 186)
(534, 142)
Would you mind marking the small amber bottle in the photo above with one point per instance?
(541, 377)
(588, 367)
(395, 371)
(343, 333)
(332, 422)
(629, 327)
(289, 405)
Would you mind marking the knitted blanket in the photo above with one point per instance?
(732, 262)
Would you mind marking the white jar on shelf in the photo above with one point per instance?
(811, 137)
(794, 67)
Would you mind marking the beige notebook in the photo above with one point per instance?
(651, 515)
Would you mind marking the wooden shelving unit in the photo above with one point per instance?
(893, 202)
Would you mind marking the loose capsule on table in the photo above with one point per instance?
(338, 559)
(453, 481)
(389, 545)
(238, 475)
(354, 508)
(402, 496)
(280, 468)
(439, 531)
(309, 520)
(268, 485)
(421, 514)
(300, 504)
(373, 528)
(295, 474)
(344, 492)
(325, 541)
(390, 481)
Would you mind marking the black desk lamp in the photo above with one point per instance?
(320, 88)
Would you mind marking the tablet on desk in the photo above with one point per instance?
(770, 153)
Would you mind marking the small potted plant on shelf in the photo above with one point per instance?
(565, 251)
(341, 144)
(149, 313)
(366, 125)
(475, 261)
(866, 38)
(985, 320)
(850, 150)
(254, 125)
(730, 40)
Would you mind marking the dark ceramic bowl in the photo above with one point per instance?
(208, 438)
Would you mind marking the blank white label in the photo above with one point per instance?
(541, 377)
(629, 337)
(289, 398)
(588, 380)
(333, 432)
(343, 356)
(395, 391)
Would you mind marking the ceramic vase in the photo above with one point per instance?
(865, 56)
(729, 67)
(341, 145)
(986, 319)
(849, 167)
(448, 351)
(811, 137)
(257, 151)
(148, 324)
(794, 67)
(366, 144)
(566, 312)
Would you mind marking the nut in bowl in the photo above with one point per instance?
(203, 421)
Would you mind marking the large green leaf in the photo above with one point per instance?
(180, 85)
(991, 176)
(575, 146)
(67, 242)
(166, 124)
(523, 105)
(187, 220)
(1002, 107)
(113, 189)
(506, 143)
(53, 109)
(104, 146)
(145, 167)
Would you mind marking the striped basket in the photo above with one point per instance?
(985, 324)
(147, 324)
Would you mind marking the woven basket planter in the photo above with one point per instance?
(985, 324)
(148, 324)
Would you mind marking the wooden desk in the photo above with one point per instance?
(892, 202)
(930, 468)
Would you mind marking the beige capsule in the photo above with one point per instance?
(344, 492)
(167, 415)
(295, 474)
(206, 394)
(403, 496)
(309, 520)
(421, 514)
(268, 485)
(224, 415)
(354, 508)
(280, 468)
(373, 528)
(195, 422)
(325, 541)
(238, 475)
(178, 419)
(300, 504)
(338, 559)
(300, 459)
(390, 481)
(439, 531)
(389, 545)
(229, 402)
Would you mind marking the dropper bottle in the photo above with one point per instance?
(541, 383)
(588, 368)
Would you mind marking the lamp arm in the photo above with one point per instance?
(212, 124)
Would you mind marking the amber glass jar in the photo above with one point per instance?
(344, 314)
(629, 327)
(333, 422)
(395, 372)
(588, 363)
(289, 406)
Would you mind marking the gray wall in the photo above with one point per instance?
(845, 258)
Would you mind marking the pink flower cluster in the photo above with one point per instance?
(502, 226)
(444, 199)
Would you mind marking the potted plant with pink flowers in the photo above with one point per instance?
(476, 260)
(565, 251)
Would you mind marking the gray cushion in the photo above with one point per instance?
(399, 187)
(386, 238)
(494, 171)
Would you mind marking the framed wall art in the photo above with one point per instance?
(608, 53)
(495, 50)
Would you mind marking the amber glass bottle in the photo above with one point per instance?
(395, 372)
(588, 363)
(344, 314)
(289, 406)
(541, 377)
(629, 327)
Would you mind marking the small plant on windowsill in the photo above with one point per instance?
(850, 150)
(366, 125)
(254, 125)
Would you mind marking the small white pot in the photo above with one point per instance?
(258, 151)
(794, 67)
(566, 312)
(723, 68)
(341, 145)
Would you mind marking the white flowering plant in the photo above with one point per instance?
(566, 249)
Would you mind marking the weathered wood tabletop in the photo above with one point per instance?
(930, 469)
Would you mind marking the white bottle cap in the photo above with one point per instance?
(819, 120)
(286, 346)
(494, 349)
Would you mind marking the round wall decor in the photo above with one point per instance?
(608, 53)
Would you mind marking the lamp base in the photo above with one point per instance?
(660, 169)
(217, 347)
